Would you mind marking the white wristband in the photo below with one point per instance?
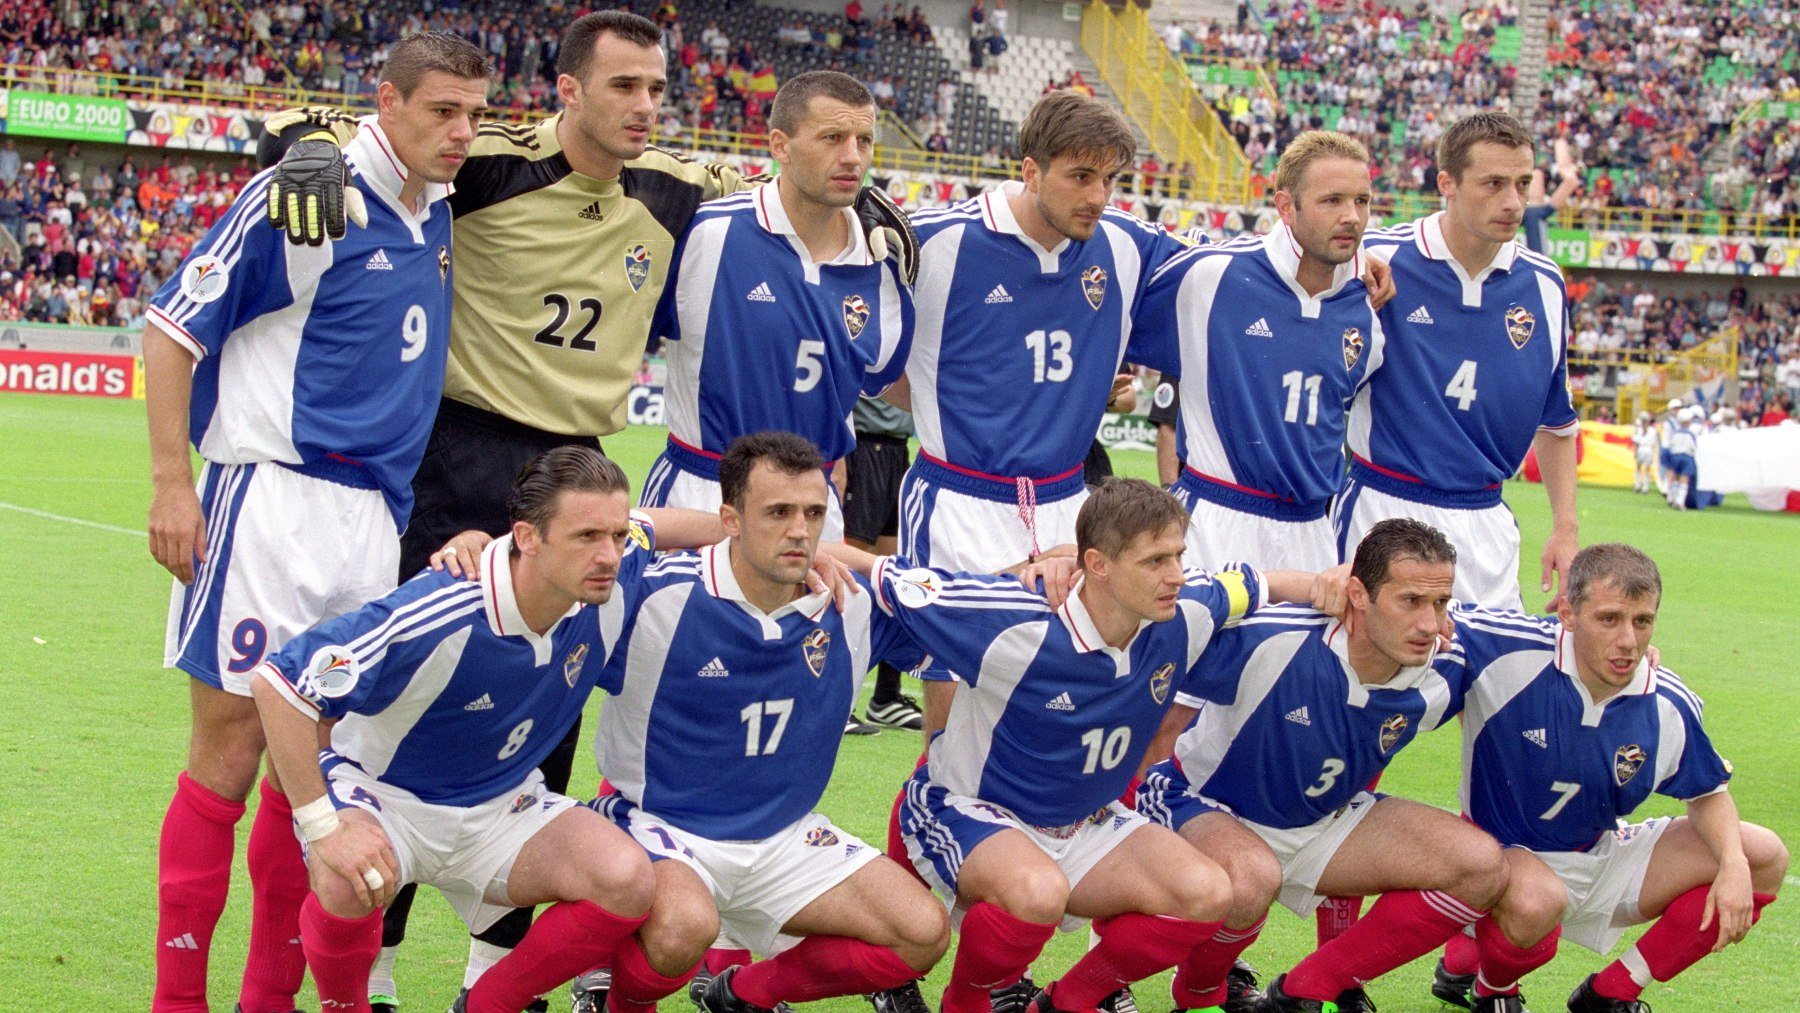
(316, 818)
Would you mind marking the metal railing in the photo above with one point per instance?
(1659, 376)
(1156, 92)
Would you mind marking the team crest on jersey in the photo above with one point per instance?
(204, 279)
(525, 801)
(813, 648)
(637, 266)
(856, 315)
(821, 837)
(639, 537)
(1626, 762)
(331, 673)
(1160, 682)
(443, 264)
(572, 664)
(1093, 285)
(1391, 730)
(1519, 325)
(1353, 347)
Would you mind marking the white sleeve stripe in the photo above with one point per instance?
(456, 596)
(993, 606)
(174, 330)
(271, 675)
(413, 632)
(245, 214)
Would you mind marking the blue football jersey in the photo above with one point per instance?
(1545, 766)
(1016, 346)
(1051, 721)
(443, 689)
(725, 720)
(1268, 372)
(329, 355)
(1473, 367)
(762, 337)
(1286, 733)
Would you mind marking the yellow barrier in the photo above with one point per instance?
(1155, 91)
(1664, 375)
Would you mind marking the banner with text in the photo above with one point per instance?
(33, 372)
(68, 117)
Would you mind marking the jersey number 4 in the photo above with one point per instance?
(1462, 385)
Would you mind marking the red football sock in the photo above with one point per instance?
(275, 967)
(896, 843)
(718, 958)
(1334, 917)
(993, 950)
(1504, 965)
(1400, 927)
(567, 939)
(1200, 977)
(193, 875)
(1461, 955)
(1132, 947)
(1670, 947)
(821, 967)
(340, 952)
(636, 986)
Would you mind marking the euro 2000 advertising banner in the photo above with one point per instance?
(65, 117)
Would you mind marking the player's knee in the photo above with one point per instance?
(1768, 857)
(1535, 901)
(224, 753)
(923, 933)
(1255, 883)
(619, 879)
(1038, 893)
(678, 932)
(338, 898)
(1202, 893)
(1477, 872)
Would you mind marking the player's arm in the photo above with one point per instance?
(899, 394)
(1378, 278)
(1162, 746)
(177, 526)
(1715, 819)
(310, 196)
(1327, 591)
(1556, 463)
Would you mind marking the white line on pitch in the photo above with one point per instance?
(47, 515)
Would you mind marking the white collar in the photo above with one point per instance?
(720, 581)
(375, 161)
(1643, 680)
(1085, 636)
(1429, 237)
(1284, 252)
(1409, 676)
(501, 603)
(997, 214)
(772, 215)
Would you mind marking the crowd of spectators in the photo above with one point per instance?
(95, 237)
(1639, 90)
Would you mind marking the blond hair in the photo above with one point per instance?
(1310, 147)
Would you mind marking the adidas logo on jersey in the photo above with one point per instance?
(714, 669)
(185, 941)
(998, 295)
(1536, 737)
(592, 213)
(379, 262)
(482, 703)
(1061, 702)
(761, 293)
(1299, 716)
(1420, 316)
(1260, 329)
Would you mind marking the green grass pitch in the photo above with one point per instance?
(93, 731)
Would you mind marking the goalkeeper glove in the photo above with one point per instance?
(888, 232)
(310, 193)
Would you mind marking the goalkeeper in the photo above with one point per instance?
(564, 235)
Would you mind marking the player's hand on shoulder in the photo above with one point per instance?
(1559, 553)
(888, 232)
(1051, 574)
(358, 853)
(461, 555)
(1331, 590)
(830, 574)
(310, 194)
(1378, 277)
(177, 529)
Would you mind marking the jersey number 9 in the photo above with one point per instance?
(413, 333)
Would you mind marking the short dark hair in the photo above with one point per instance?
(785, 452)
(1119, 511)
(573, 468)
(576, 51)
(423, 52)
(794, 97)
(1490, 126)
(1629, 570)
(1394, 540)
(1067, 122)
